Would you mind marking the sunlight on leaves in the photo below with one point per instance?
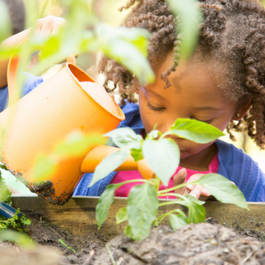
(196, 131)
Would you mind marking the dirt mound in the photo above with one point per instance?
(191, 245)
(199, 244)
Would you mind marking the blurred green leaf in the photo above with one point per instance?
(193, 130)
(223, 189)
(104, 203)
(153, 135)
(125, 138)
(44, 167)
(5, 194)
(109, 164)
(142, 210)
(128, 231)
(190, 17)
(196, 210)
(19, 238)
(76, 144)
(178, 220)
(127, 47)
(121, 215)
(137, 154)
(5, 22)
(163, 157)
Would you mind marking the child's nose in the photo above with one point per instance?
(168, 123)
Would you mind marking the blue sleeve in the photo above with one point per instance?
(97, 189)
(30, 83)
(241, 169)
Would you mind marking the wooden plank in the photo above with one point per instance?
(77, 216)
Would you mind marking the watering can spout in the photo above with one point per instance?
(100, 152)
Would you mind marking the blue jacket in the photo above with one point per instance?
(234, 164)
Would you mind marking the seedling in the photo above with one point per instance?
(17, 222)
(64, 244)
(163, 156)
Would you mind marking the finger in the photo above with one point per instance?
(199, 191)
(193, 178)
(180, 178)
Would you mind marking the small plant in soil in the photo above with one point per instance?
(163, 156)
(18, 222)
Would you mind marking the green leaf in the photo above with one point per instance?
(127, 47)
(178, 220)
(196, 210)
(162, 156)
(125, 138)
(128, 231)
(19, 238)
(76, 144)
(104, 203)
(142, 210)
(121, 215)
(44, 167)
(190, 17)
(223, 189)
(5, 194)
(137, 154)
(109, 164)
(5, 22)
(196, 131)
(153, 135)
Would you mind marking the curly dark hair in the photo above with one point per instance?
(232, 31)
(17, 14)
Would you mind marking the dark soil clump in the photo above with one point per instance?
(200, 244)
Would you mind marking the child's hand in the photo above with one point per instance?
(48, 26)
(45, 27)
(196, 191)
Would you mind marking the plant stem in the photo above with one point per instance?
(177, 187)
(174, 202)
(111, 256)
(131, 181)
(169, 194)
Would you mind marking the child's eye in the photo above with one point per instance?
(154, 108)
(208, 121)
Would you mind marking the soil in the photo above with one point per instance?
(200, 244)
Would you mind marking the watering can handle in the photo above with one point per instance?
(12, 75)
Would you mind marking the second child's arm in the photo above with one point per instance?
(45, 27)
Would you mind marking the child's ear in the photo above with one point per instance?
(243, 108)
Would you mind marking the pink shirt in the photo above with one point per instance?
(123, 176)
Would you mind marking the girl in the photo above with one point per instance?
(222, 84)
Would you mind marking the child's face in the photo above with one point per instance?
(193, 94)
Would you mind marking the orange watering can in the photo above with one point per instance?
(69, 100)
